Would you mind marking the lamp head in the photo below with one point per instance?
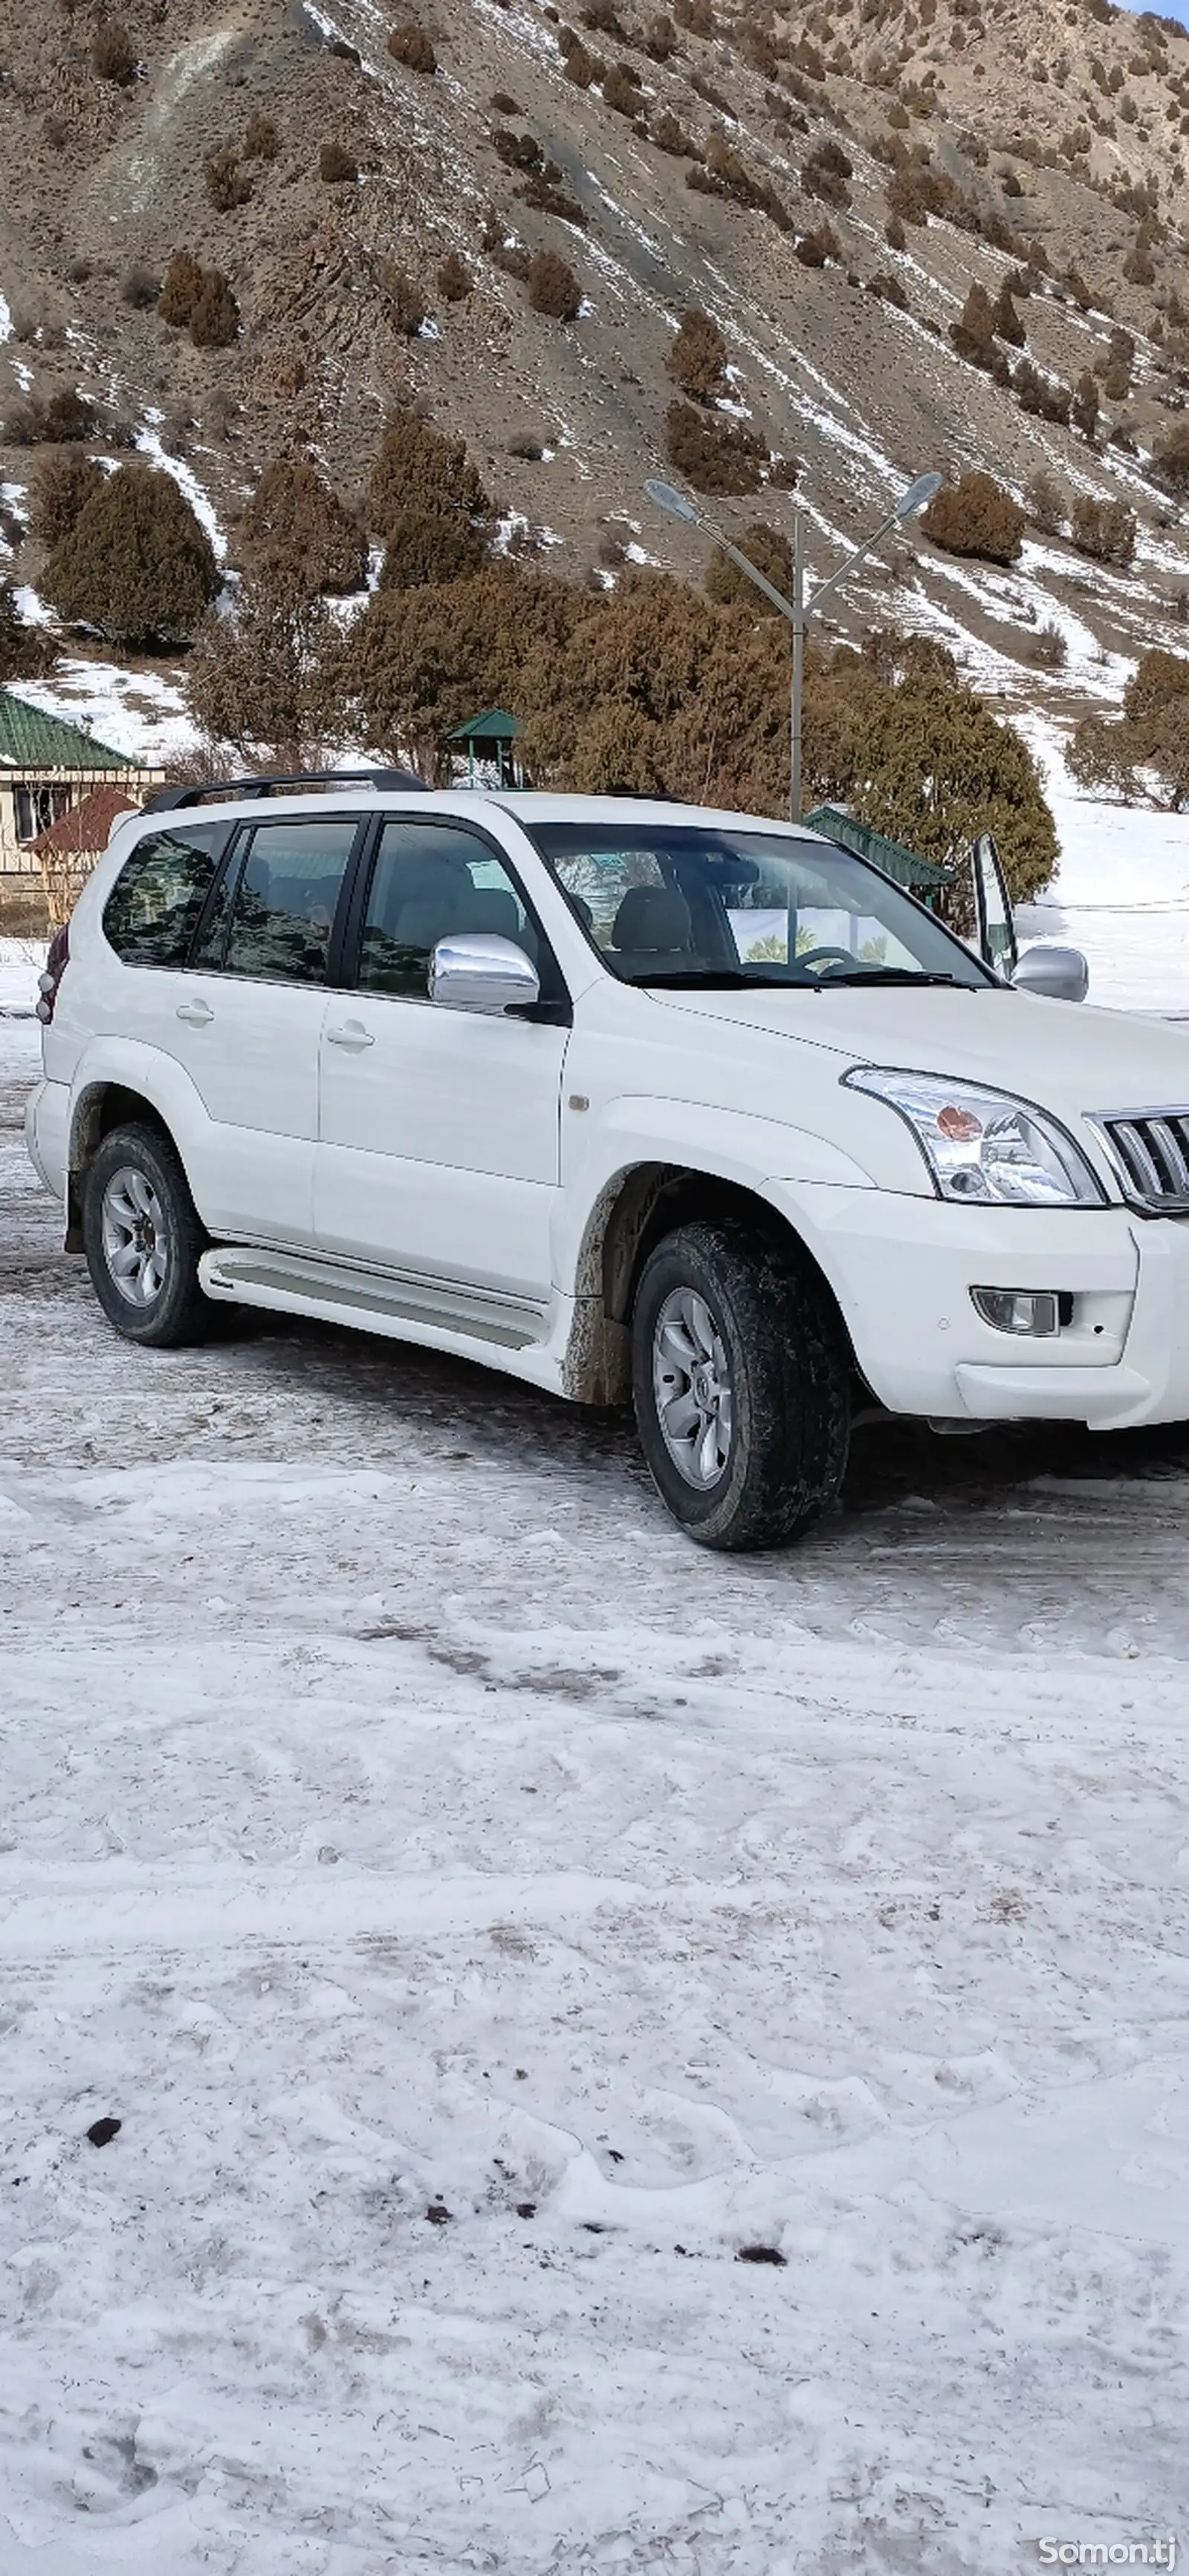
(677, 504)
(918, 495)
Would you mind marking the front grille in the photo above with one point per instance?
(1150, 1153)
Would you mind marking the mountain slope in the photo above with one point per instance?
(1056, 131)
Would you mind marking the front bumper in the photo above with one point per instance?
(902, 1270)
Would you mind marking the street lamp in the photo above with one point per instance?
(799, 609)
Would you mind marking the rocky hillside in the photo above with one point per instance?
(366, 192)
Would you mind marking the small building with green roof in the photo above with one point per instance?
(47, 767)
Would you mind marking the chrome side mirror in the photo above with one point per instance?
(1060, 974)
(476, 971)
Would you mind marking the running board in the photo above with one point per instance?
(290, 1283)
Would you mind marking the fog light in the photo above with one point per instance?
(1035, 1311)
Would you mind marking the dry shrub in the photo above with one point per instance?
(1084, 407)
(1104, 530)
(423, 549)
(1047, 648)
(915, 193)
(581, 66)
(454, 280)
(975, 516)
(140, 287)
(404, 301)
(816, 247)
(1172, 459)
(553, 288)
(504, 104)
(1114, 371)
(336, 164)
(669, 135)
(136, 566)
(263, 678)
(1138, 267)
(1039, 396)
(660, 37)
(827, 174)
(888, 289)
(894, 234)
(602, 17)
(713, 454)
(261, 141)
(1008, 325)
(26, 652)
(411, 47)
(417, 469)
(621, 90)
(1048, 502)
(296, 533)
(696, 360)
(113, 54)
(214, 322)
(62, 487)
(725, 174)
(973, 334)
(184, 281)
(517, 151)
(770, 550)
(227, 184)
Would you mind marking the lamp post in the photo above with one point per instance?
(799, 609)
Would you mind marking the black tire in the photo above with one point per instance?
(787, 1374)
(174, 1311)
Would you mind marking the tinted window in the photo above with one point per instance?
(153, 907)
(285, 901)
(684, 905)
(430, 880)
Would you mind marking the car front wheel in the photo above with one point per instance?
(143, 1240)
(741, 1386)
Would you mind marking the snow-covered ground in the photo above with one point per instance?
(626, 2060)
(1121, 893)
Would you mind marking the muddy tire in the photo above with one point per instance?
(740, 1380)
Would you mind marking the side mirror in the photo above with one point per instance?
(1060, 974)
(476, 971)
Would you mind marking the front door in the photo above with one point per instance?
(439, 1136)
(249, 1020)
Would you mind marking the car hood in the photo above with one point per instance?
(1061, 1054)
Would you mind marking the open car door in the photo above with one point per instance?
(996, 933)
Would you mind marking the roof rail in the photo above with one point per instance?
(170, 800)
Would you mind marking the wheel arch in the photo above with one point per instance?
(100, 1106)
(634, 1209)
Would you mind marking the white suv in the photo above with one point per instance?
(628, 1099)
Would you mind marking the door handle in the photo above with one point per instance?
(352, 1035)
(199, 1014)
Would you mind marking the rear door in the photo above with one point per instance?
(248, 1019)
(439, 1151)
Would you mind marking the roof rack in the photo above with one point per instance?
(169, 800)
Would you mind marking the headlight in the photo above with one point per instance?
(984, 1145)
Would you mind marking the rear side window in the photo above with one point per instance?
(284, 904)
(153, 908)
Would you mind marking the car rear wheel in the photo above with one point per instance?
(143, 1240)
(741, 1386)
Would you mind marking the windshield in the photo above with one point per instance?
(686, 905)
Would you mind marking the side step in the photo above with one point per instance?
(295, 1283)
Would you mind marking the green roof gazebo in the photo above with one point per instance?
(488, 743)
